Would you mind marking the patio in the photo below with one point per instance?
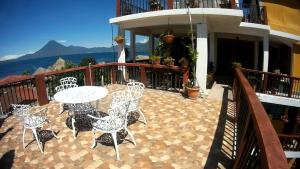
(180, 134)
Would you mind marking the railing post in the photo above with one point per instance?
(291, 87)
(143, 74)
(87, 76)
(41, 89)
(233, 5)
(170, 4)
(265, 83)
(118, 8)
(113, 74)
(185, 77)
(265, 15)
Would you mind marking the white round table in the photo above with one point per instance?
(82, 94)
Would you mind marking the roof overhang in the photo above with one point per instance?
(145, 22)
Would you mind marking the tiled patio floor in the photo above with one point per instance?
(179, 134)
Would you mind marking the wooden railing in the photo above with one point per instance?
(290, 142)
(252, 13)
(273, 83)
(257, 143)
(40, 88)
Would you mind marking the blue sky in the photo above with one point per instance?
(27, 25)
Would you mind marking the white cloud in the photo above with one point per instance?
(10, 57)
(62, 41)
(145, 40)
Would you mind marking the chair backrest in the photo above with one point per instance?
(20, 110)
(68, 80)
(64, 87)
(120, 110)
(136, 89)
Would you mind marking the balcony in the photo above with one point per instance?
(180, 132)
(251, 13)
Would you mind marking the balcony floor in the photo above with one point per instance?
(179, 134)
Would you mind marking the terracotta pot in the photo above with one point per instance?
(120, 41)
(193, 92)
(156, 62)
(169, 38)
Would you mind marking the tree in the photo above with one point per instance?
(85, 61)
(69, 64)
(26, 72)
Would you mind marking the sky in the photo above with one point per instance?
(27, 25)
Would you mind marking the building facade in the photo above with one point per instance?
(261, 35)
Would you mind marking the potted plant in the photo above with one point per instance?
(155, 59)
(155, 5)
(184, 62)
(169, 61)
(119, 39)
(192, 87)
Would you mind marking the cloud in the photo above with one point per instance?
(10, 57)
(145, 40)
(62, 41)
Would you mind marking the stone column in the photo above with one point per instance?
(201, 65)
(132, 46)
(121, 47)
(212, 47)
(256, 53)
(266, 53)
(151, 44)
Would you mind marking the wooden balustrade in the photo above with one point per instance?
(41, 87)
(258, 145)
(273, 83)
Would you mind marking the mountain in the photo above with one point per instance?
(53, 48)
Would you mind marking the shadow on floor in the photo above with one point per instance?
(221, 151)
(84, 123)
(7, 160)
(4, 133)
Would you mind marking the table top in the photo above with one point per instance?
(82, 94)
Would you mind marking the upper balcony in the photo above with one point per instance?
(251, 13)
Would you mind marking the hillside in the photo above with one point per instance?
(53, 48)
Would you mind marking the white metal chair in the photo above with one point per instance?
(61, 87)
(77, 110)
(114, 122)
(68, 80)
(32, 121)
(136, 90)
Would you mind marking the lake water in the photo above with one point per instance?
(15, 67)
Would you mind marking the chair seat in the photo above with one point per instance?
(33, 121)
(108, 124)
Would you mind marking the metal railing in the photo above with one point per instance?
(252, 13)
(273, 83)
(257, 143)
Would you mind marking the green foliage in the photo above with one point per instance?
(85, 61)
(162, 49)
(154, 57)
(69, 64)
(26, 72)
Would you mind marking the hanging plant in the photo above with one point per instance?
(169, 38)
(119, 39)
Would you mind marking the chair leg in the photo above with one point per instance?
(94, 143)
(52, 130)
(114, 136)
(24, 130)
(73, 127)
(130, 134)
(37, 139)
(61, 108)
(141, 113)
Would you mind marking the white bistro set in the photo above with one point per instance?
(78, 99)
